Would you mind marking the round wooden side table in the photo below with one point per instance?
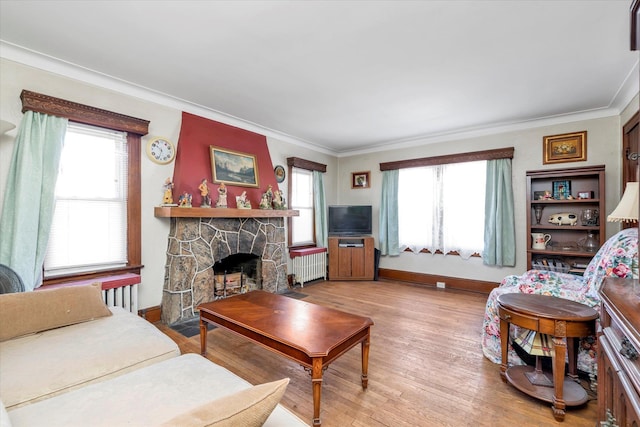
(561, 319)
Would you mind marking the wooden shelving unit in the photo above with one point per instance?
(564, 245)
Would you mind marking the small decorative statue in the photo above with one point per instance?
(168, 192)
(185, 200)
(264, 202)
(267, 199)
(278, 200)
(242, 202)
(222, 196)
(204, 192)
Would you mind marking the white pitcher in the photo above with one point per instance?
(540, 240)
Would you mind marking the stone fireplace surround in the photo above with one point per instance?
(195, 244)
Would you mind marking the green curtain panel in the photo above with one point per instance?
(499, 228)
(29, 198)
(389, 239)
(320, 206)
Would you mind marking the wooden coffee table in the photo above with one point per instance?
(309, 334)
(560, 318)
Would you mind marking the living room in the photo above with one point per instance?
(23, 69)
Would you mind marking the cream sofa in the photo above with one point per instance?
(68, 360)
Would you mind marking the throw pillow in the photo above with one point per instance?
(26, 313)
(247, 408)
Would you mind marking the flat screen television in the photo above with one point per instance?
(351, 220)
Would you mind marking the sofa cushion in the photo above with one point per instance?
(41, 365)
(247, 408)
(26, 313)
(148, 397)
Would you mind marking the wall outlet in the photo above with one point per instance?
(440, 285)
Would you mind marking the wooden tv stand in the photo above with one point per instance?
(351, 258)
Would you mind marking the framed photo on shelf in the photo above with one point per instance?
(361, 179)
(566, 147)
(233, 167)
(561, 189)
(539, 195)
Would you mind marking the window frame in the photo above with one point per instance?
(136, 129)
(296, 162)
(499, 153)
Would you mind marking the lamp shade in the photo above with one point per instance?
(627, 209)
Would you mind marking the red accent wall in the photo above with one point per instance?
(193, 161)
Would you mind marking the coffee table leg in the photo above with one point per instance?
(316, 383)
(203, 337)
(559, 355)
(365, 362)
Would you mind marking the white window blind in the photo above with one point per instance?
(89, 230)
(302, 200)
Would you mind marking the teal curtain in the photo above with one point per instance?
(388, 228)
(320, 209)
(499, 228)
(29, 198)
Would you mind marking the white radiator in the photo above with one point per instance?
(309, 264)
(122, 296)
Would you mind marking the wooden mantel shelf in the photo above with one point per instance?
(176, 212)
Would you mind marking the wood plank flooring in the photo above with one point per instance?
(426, 366)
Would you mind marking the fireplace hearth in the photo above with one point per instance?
(199, 249)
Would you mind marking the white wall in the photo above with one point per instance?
(604, 142)
(164, 121)
(603, 147)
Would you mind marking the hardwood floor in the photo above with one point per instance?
(426, 366)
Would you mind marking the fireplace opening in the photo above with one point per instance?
(236, 274)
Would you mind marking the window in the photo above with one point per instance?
(302, 227)
(89, 229)
(441, 208)
(135, 128)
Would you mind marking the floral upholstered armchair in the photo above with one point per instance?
(613, 259)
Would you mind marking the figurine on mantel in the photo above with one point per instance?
(242, 202)
(278, 200)
(264, 202)
(185, 200)
(267, 199)
(222, 196)
(204, 192)
(167, 200)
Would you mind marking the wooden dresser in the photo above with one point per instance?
(619, 375)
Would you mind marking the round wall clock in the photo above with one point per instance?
(280, 174)
(161, 150)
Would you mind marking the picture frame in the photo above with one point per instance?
(563, 148)
(539, 195)
(233, 167)
(561, 189)
(280, 174)
(361, 179)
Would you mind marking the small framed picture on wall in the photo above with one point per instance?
(361, 179)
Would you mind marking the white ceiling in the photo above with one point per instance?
(346, 76)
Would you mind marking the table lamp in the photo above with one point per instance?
(536, 344)
(627, 209)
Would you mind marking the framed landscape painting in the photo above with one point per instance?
(233, 167)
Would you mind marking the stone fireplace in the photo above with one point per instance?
(196, 244)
